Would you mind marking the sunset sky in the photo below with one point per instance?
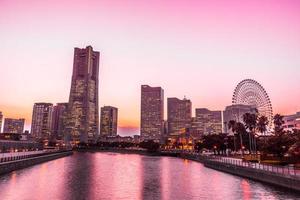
(199, 49)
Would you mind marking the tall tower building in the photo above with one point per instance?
(1, 119)
(41, 121)
(83, 111)
(109, 121)
(179, 116)
(152, 112)
(13, 125)
(59, 115)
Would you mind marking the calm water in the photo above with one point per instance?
(129, 176)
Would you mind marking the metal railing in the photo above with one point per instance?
(289, 170)
(282, 170)
(12, 156)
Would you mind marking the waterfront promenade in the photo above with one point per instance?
(18, 160)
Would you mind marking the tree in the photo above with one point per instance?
(241, 130)
(232, 127)
(238, 129)
(262, 125)
(250, 120)
(279, 143)
(278, 122)
(150, 145)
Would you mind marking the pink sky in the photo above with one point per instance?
(200, 49)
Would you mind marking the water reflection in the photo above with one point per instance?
(151, 172)
(129, 176)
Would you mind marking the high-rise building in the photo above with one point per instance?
(1, 119)
(209, 122)
(179, 116)
(83, 111)
(235, 112)
(291, 122)
(59, 115)
(13, 125)
(152, 112)
(41, 121)
(109, 121)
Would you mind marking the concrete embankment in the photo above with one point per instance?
(10, 166)
(286, 181)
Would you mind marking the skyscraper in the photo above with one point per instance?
(109, 121)
(210, 122)
(58, 120)
(13, 125)
(41, 121)
(83, 112)
(179, 116)
(1, 118)
(152, 112)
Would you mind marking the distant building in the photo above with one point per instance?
(41, 120)
(236, 112)
(291, 122)
(83, 111)
(1, 120)
(179, 116)
(13, 125)
(109, 121)
(59, 114)
(152, 112)
(208, 122)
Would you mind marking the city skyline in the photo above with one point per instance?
(209, 62)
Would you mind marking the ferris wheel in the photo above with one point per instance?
(250, 92)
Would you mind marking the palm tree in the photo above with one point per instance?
(240, 129)
(250, 120)
(232, 126)
(278, 122)
(262, 125)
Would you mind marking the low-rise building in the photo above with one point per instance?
(291, 122)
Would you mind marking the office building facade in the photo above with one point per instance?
(208, 122)
(109, 121)
(291, 122)
(13, 125)
(235, 112)
(41, 121)
(59, 115)
(83, 111)
(152, 112)
(1, 121)
(179, 116)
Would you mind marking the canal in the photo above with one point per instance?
(130, 176)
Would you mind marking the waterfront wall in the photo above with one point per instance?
(286, 181)
(10, 166)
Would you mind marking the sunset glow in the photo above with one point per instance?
(198, 49)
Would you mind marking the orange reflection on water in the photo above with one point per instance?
(246, 189)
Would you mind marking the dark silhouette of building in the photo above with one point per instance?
(109, 121)
(13, 125)
(152, 112)
(41, 121)
(83, 111)
(59, 115)
(179, 116)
